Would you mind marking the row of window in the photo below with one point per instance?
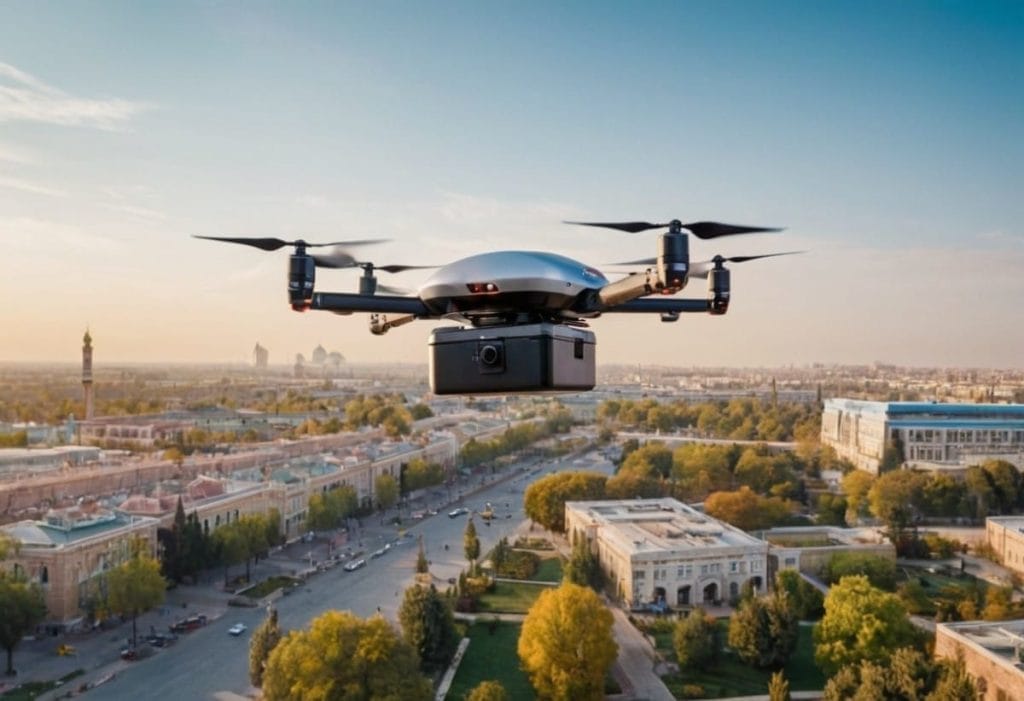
(710, 568)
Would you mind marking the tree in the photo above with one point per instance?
(22, 607)
(422, 565)
(696, 640)
(778, 688)
(856, 485)
(805, 600)
(763, 631)
(566, 645)
(135, 586)
(583, 567)
(264, 639)
(895, 498)
(386, 490)
(488, 690)
(230, 547)
(471, 544)
(746, 510)
(344, 657)
(908, 675)
(860, 622)
(428, 626)
(880, 571)
(544, 500)
(954, 684)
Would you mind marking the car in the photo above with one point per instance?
(355, 565)
(455, 513)
(237, 629)
(377, 553)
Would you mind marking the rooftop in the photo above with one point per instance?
(1001, 640)
(661, 525)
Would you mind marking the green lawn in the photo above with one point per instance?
(511, 597)
(732, 677)
(491, 656)
(550, 570)
(269, 585)
(32, 689)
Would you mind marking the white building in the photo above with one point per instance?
(662, 551)
(934, 436)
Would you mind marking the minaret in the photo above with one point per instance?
(87, 373)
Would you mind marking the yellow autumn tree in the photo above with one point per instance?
(566, 645)
(342, 657)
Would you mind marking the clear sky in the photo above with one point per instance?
(887, 137)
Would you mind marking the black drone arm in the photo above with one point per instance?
(386, 304)
(646, 305)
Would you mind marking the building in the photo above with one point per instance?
(1005, 535)
(809, 549)
(992, 654)
(260, 357)
(932, 435)
(663, 552)
(68, 551)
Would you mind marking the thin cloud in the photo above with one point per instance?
(13, 183)
(24, 97)
(15, 154)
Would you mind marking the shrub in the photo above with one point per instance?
(692, 691)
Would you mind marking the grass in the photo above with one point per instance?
(267, 586)
(550, 570)
(491, 656)
(510, 597)
(31, 690)
(733, 677)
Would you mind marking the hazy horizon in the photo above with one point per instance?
(887, 138)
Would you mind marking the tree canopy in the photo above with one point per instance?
(763, 630)
(264, 639)
(343, 657)
(544, 500)
(566, 645)
(22, 607)
(135, 586)
(747, 510)
(428, 626)
(696, 640)
(860, 623)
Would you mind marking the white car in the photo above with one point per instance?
(237, 629)
(354, 565)
(455, 513)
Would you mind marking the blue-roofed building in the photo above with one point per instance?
(933, 435)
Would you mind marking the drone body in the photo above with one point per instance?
(525, 309)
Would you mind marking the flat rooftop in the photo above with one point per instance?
(1003, 640)
(661, 525)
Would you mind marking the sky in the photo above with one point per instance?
(887, 138)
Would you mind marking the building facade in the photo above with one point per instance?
(991, 652)
(932, 435)
(663, 552)
(1005, 535)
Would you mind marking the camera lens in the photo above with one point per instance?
(490, 355)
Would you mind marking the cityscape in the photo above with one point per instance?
(506, 467)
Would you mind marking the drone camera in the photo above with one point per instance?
(521, 358)
(301, 278)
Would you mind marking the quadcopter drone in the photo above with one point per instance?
(526, 310)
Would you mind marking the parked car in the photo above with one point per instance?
(455, 513)
(237, 629)
(189, 624)
(354, 565)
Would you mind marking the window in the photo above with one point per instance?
(703, 569)
(755, 566)
(734, 566)
(639, 574)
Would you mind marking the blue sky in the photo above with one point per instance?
(887, 137)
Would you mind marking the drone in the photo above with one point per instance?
(526, 311)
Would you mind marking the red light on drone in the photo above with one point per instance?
(478, 288)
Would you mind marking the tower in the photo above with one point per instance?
(87, 373)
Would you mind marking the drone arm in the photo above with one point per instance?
(344, 302)
(628, 288)
(654, 306)
(380, 324)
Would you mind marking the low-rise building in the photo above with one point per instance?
(809, 549)
(68, 551)
(992, 655)
(1005, 535)
(663, 552)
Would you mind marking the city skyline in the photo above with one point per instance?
(887, 139)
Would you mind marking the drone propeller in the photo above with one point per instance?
(272, 244)
(701, 268)
(340, 258)
(700, 229)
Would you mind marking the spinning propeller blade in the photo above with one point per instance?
(700, 229)
(272, 244)
(701, 268)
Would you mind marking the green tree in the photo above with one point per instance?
(778, 688)
(763, 631)
(583, 567)
(264, 639)
(566, 645)
(230, 545)
(806, 601)
(428, 626)
(386, 491)
(471, 544)
(135, 586)
(880, 571)
(343, 657)
(895, 498)
(954, 684)
(856, 485)
(907, 675)
(860, 623)
(422, 565)
(22, 607)
(697, 640)
(488, 690)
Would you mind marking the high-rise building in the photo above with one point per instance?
(261, 357)
(87, 374)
